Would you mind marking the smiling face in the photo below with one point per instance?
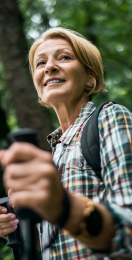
(59, 77)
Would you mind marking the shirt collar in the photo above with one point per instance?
(65, 138)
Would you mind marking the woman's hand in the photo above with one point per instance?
(33, 179)
(8, 222)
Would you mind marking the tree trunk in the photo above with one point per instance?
(14, 52)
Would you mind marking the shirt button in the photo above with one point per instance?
(80, 165)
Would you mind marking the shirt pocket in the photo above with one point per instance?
(80, 178)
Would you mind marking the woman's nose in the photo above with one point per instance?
(50, 66)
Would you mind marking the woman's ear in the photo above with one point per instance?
(91, 83)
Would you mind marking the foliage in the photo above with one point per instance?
(107, 24)
(36, 18)
(5, 252)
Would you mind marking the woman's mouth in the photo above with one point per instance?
(54, 81)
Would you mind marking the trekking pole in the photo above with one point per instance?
(28, 218)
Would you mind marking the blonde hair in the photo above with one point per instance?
(85, 51)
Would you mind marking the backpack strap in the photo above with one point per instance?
(90, 141)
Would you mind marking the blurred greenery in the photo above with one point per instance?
(108, 24)
(5, 252)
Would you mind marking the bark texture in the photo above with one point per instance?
(14, 52)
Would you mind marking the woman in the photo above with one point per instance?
(67, 72)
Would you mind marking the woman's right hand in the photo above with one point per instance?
(8, 222)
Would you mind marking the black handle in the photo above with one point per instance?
(28, 217)
(30, 136)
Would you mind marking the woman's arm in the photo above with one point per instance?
(74, 224)
(115, 130)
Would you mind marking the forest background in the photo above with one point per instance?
(106, 23)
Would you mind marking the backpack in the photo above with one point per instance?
(90, 140)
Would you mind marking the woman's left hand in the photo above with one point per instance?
(33, 179)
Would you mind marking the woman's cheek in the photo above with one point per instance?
(38, 75)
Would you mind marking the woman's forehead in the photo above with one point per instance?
(52, 45)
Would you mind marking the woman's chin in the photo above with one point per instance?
(55, 99)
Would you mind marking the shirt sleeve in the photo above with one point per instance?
(115, 133)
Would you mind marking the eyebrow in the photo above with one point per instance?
(57, 51)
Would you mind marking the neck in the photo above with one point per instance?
(67, 115)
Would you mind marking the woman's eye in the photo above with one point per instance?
(40, 63)
(65, 57)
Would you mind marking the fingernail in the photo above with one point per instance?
(3, 210)
(14, 227)
(16, 221)
(13, 217)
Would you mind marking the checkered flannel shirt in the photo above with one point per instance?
(115, 191)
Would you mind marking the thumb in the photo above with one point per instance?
(9, 196)
(9, 193)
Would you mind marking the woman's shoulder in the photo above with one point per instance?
(114, 110)
(114, 116)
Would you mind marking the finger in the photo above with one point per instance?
(32, 200)
(30, 186)
(7, 217)
(9, 224)
(18, 177)
(9, 193)
(3, 210)
(17, 171)
(19, 152)
(5, 232)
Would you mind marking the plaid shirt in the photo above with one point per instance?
(115, 133)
